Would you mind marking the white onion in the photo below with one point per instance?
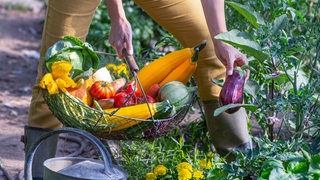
(102, 74)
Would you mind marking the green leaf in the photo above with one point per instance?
(222, 109)
(243, 41)
(279, 23)
(84, 75)
(251, 87)
(278, 78)
(278, 174)
(272, 168)
(315, 162)
(301, 77)
(253, 17)
(272, 163)
(218, 82)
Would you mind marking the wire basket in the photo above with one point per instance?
(72, 112)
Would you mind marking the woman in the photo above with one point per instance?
(190, 21)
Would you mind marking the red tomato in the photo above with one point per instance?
(154, 90)
(102, 90)
(122, 99)
(141, 99)
(129, 88)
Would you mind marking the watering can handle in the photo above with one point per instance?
(105, 155)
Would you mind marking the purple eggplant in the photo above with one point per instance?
(232, 90)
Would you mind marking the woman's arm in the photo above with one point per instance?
(121, 33)
(215, 17)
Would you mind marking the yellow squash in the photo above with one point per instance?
(125, 117)
(182, 73)
(159, 69)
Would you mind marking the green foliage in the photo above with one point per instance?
(281, 53)
(141, 157)
(274, 160)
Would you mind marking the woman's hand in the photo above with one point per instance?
(229, 56)
(121, 37)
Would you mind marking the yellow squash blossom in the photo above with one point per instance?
(198, 175)
(59, 78)
(151, 176)
(48, 82)
(160, 170)
(61, 69)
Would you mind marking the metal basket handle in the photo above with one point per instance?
(108, 168)
(130, 61)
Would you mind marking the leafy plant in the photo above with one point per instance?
(280, 86)
(141, 157)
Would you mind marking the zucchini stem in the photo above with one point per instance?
(197, 49)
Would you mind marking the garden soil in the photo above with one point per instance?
(20, 36)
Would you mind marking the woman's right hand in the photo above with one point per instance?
(121, 37)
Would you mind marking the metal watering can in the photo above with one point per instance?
(74, 168)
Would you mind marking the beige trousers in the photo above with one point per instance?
(64, 17)
(183, 18)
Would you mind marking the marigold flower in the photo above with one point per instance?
(198, 175)
(205, 164)
(184, 174)
(160, 170)
(184, 165)
(151, 176)
(110, 66)
(211, 155)
(209, 165)
(120, 69)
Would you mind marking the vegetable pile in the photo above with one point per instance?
(73, 68)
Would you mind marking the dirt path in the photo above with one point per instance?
(20, 35)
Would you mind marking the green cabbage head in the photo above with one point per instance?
(81, 55)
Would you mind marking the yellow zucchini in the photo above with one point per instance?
(158, 69)
(182, 73)
(120, 118)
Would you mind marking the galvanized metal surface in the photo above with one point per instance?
(73, 168)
